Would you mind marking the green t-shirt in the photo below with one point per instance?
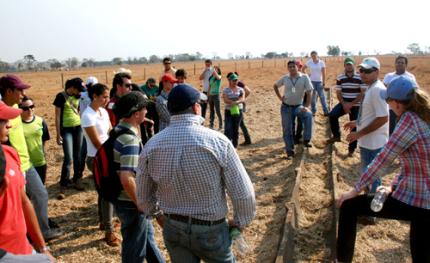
(215, 85)
(36, 132)
(69, 110)
(150, 92)
(17, 140)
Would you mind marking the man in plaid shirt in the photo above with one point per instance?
(185, 171)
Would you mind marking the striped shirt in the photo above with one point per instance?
(350, 87)
(411, 142)
(126, 150)
(187, 169)
(163, 112)
(234, 95)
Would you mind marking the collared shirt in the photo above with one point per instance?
(294, 89)
(163, 112)
(393, 75)
(350, 86)
(188, 169)
(410, 141)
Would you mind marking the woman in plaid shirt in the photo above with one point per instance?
(410, 196)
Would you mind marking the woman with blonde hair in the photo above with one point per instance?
(409, 196)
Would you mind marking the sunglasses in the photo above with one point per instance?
(127, 85)
(367, 71)
(26, 108)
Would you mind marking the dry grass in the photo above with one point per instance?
(271, 174)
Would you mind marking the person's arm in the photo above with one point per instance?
(58, 125)
(374, 125)
(239, 188)
(45, 134)
(308, 99)
(247, 91)
(305, 66)
(202, 76)
(129, 184)
(94, 136)
(323, 72)
(33, 225)
(146, 188)
(162, 110)
(278, 94)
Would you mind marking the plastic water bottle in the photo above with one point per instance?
(378, 200)
(239, 243)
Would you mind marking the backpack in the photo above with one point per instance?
(106, 178)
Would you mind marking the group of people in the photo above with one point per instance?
(86, 115)
(161, 138)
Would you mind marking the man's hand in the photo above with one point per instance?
(305, 109)
(349, 125)
(347, 107)
(59, 140)
(353, 136)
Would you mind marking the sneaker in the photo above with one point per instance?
(111, 239)
(333, 140)
(296, 140)
(307, 144)
(62, 193)
(53, 233)
(245, 143)
(116, 225)
(52, 224)
(78, 185)
(290, 155)
(211, 126)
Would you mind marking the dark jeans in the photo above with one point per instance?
(245, 130)
(393, 209)
(334, 116)
(72, 142)
(83, 153)
(137, 232)
(105, 208)
(153, 115)
(41, 170)
(214, 107)
(204, 106)
(231, 127)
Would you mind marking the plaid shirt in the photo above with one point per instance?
(411, 142)
(187, 169)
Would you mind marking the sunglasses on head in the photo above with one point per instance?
(367, 71)
(26, 108)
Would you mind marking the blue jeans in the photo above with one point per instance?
(367, 157)
(231, 127)
(72, 142)
(137, 233)
(334, 116)
(38, 195)
(318, 91)
(188, 243)
(288, 116)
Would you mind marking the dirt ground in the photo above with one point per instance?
(272, 175)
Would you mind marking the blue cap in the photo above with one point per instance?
(183, 96)
(400, 88)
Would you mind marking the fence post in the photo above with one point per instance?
(62, 80)
(194, 69)
(285, 63)
(262, 63)
(144, 73)
(106, 77)
(249, 65)
(275, 63)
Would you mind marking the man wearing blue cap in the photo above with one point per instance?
(185, 171)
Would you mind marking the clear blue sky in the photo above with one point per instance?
(133, 28)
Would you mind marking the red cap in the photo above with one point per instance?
(8, 113)
(169, 78)
(12, 81)
(299, 64)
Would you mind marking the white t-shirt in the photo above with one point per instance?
(206, 75)
(102, 124)
(393, 75)
(84, 102)
(315, 69)
(373, 106)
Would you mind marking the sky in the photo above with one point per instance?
(104, 29)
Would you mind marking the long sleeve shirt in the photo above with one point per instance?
(163, 112)
(187, 169)
(410, 142)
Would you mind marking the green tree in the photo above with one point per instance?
(415, 48)
(333, 50)
(29, 61)
(117, 61)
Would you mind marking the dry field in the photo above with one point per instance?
(272, 175)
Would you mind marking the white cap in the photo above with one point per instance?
(91, 81)
(122, 70)
(369, 63)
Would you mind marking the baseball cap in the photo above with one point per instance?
(91, 81)
(182, 97)
(370, 62)
(349, 61)
(129, 103)
(12, 81)
(8, 113)
(401, 89)
(169, 78)
(299, 63)
(233, 77)
(77, 83)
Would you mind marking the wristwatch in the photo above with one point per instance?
(44, 249)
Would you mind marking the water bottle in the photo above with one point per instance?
(239, 243)
(378, 200)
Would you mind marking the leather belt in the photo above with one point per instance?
(194, 221)
(291, 105)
